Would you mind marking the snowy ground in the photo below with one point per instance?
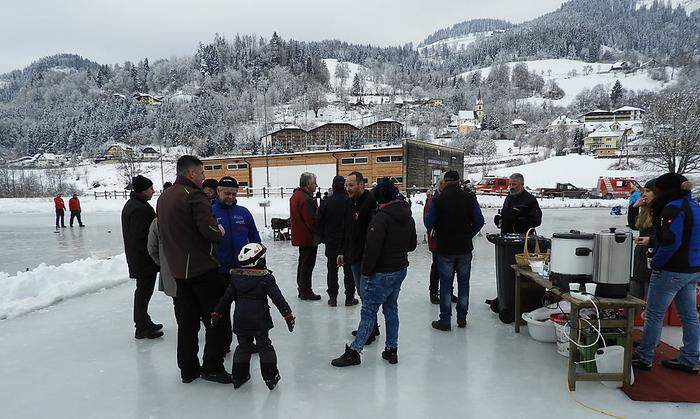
(78, 358)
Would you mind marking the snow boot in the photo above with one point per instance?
(148, 334)
(156, 326)
(350, 357)
(390, 355)
(441, 326)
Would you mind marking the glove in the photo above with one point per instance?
(497, 220)
(290, 319)
(215, 317)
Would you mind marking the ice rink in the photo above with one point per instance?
(78, 359)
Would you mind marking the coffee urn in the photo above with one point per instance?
(612, 263)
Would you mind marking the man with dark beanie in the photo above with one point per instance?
(390, 236)
(456, 218)
(331, 221)
(137, 216)
(675, 265)
(189, 233)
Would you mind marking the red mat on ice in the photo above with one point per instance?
(662, 384)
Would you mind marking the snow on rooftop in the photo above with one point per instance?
(519, 122)
(628, 109)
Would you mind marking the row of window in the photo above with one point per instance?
(365, 160)
(232, 166)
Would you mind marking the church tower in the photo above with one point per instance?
(479, 108)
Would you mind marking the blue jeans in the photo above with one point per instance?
(448, 265)
(360, 280)
(664, 288)
(381, 289)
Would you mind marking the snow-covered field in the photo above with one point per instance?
(94, 368)
(457, 43)
(560, 71)
(581, 170)
(370, 85)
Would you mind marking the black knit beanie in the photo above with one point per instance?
(140, 183)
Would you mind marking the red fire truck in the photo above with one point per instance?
(493, 185)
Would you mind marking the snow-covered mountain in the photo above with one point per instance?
(688, 5)
(574, 76)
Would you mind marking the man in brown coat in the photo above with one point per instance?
(189, 233)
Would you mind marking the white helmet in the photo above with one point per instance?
(252, 255)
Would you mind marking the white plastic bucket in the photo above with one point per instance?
(562, 330)
(541, 330)
(611, 360)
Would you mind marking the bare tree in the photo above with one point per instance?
(672, 127)
(316, 99)
(486, 149)
(128, 167)
(342, 72)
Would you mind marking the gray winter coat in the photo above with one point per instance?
(166, 283)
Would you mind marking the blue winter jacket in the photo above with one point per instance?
(240, 230)
(677, 237)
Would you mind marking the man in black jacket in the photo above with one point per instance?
(520, 210)
(331, 222)
(456, 218)
(137, 216)
(360, 212)
(390, 236)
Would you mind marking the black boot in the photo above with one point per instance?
(333, 302)
(390, 355)
(462, 323)
(675, 364)
(240, 374)
(351, 301)
(156, 326)
(148, 334)
(217, 376)
(373, 335)
(272, 382)
(639, 364)
(350, 357)
(441, 326)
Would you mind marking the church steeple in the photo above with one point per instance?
(479, 108)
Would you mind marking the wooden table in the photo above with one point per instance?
(525, 278)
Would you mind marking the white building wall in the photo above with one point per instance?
(288, 176)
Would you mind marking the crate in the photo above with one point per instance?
(611, 336)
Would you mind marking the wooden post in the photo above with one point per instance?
(518, 284)
(627, 366)
(573, 349)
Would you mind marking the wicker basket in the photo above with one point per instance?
(523, 259)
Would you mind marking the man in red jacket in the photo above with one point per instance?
(302, 213)
(74, 207)
(60, 211)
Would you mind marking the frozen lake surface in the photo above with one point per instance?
(79, 359)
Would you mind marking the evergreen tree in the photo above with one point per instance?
(616, 93)
(356, 88)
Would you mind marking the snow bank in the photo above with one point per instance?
(580, 170)
(48, 285)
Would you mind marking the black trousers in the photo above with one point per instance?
(305, 268)
(434, 287)
(142, 296)
(196, 299)
(60, 216)
(241, 357)
(332, 277)
(73, 215)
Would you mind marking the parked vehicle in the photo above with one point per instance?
(493, 185)
(564, 190)
(616, 187)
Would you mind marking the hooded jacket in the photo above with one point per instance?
(456, 218)
(250, 288)
(240, 230)
(188, 230)
(331, 216)
(137, 216)
(677, 235)
(390, 236)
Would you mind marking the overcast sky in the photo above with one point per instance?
(110, 31)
